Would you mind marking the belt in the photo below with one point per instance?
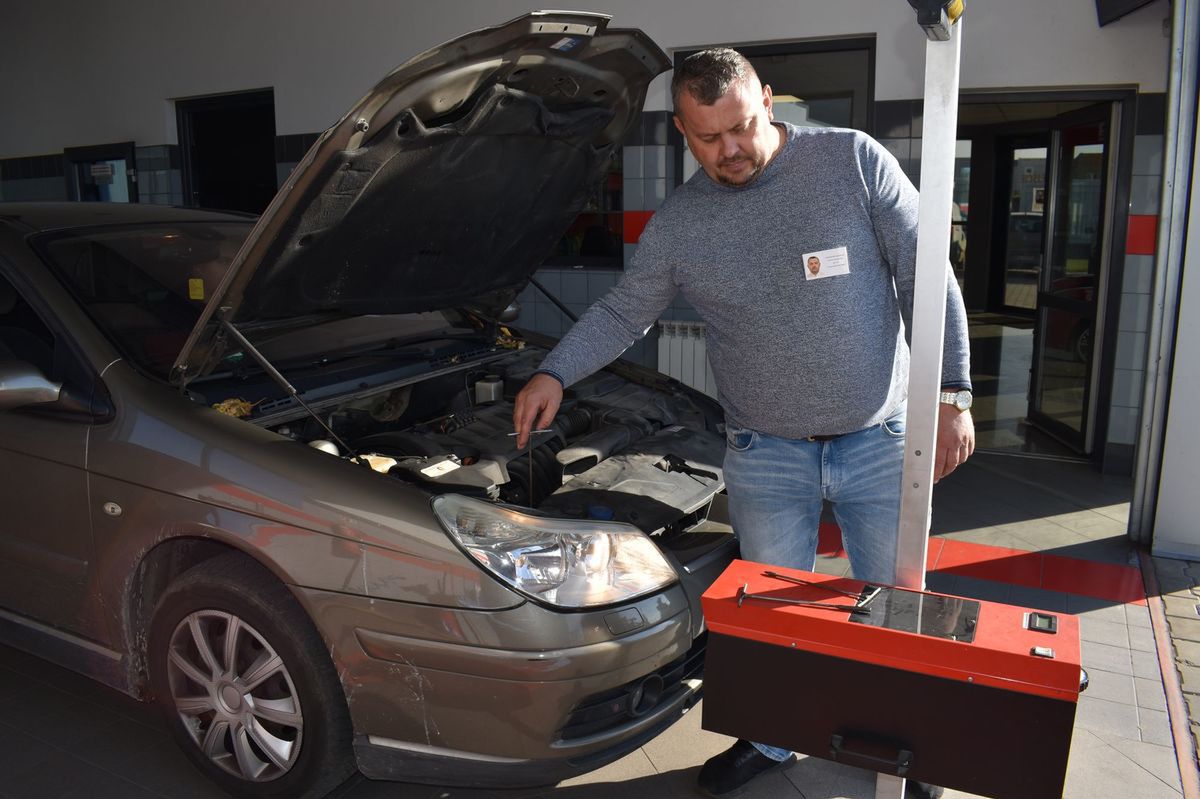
(824, 438)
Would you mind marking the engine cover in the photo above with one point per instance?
(651, 485)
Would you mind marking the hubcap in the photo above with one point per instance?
(234, 695)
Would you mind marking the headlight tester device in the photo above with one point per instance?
(970, 695)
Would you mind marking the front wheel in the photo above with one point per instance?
(246, 685)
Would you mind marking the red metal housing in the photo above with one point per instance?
(990, 713)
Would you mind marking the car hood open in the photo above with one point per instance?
(446, 186)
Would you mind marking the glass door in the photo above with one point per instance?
(1073, 250)
(1023, 231)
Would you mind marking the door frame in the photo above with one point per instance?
(1123, 102)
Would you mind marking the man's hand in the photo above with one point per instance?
(536, 406)
(955, 440)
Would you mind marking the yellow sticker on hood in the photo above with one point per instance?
(195, 288)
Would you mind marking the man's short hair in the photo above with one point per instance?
(708, 74)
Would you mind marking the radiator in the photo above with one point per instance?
(683, 354)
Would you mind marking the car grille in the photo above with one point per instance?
(640, 697)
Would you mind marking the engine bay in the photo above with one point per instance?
(617, 450)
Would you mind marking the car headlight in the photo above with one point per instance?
(571, 563)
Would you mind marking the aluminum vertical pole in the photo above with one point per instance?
(928, 321)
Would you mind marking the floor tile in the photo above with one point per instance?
(1105, 580)
(1158, 760)
(633, 766)
(941, 583)
(983, 562)
(813, 777)
(1142, 639)
(1103, 657)
(20, 752)
(1149, 694)
(1145, 664)
(1105, 716)
(61, 774)
(986, 590)
(1106, 773)
(1155, 727)
(981, 534)
(109, 786)
(1111, 686)
(127, 747)
(54, 716)
(1038, 599)
(686, 745)
(1094, 607)
(1103, 632)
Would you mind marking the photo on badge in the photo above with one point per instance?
(825, 263)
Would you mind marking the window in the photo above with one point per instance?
(145, 286)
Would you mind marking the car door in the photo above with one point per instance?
(45, 529)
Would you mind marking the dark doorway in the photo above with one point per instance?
(228, 146)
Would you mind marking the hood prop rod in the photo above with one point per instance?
(283, 383)
(557, 302)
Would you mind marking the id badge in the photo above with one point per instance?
(826, 263)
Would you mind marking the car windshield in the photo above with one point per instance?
(145, 286)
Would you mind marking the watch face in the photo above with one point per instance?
(962, 400)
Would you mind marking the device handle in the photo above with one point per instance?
(897, 764)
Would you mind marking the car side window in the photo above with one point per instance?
(23, 335)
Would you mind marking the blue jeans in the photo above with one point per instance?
(776, 486)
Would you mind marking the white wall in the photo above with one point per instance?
(80, 72)
(1177, 518)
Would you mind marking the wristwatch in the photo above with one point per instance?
(960, 399)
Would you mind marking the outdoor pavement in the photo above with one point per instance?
(1041, 533)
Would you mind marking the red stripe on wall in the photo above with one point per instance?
(634, 224)
(1142, 235)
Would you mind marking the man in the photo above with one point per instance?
(814, 263)
(812, 374)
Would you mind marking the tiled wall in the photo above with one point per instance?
(34, 178)
(42, 177)
(1134, 320)
(577, 289)
(648, 174)
(159, 177)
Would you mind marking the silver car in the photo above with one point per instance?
(261, 471)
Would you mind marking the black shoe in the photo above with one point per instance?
(727, 773)
(922, 790)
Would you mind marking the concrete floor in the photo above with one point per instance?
(63, 736)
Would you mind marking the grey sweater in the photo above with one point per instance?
(794, 353)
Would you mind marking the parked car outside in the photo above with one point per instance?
(260, 471)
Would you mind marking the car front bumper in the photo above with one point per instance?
(487, 699)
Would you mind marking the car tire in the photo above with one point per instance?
(260, 712)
